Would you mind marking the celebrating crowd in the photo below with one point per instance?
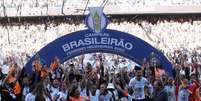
(102, 76)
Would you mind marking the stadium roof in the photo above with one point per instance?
(24, 8)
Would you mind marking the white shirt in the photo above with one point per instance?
(25, 91)
(62, 95)
(183, 95)
(5, 69)
(95, 97)
(182, 72)
(47, 98)
(30, 97)
(138, 88)
(83, 92)
(106, 97)
(54, 92)
(170, 93)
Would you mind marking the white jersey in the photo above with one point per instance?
(170, 90)
(95, 97)
(106, 97)
(183, 95)
(83, 92)
(5, 69)
(54, 92)
(62, 95)
(25, 91)
(138, 88)
(30, 97)
(47, 98)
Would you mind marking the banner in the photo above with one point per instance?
(109, 41)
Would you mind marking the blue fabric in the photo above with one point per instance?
(139, 50)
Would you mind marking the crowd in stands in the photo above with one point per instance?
(162, 33)
(78, 3)
(101, 76)
(45, 7)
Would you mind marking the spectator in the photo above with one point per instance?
(184, 91)
(170, 89)
(105, 95)
(194, 88)
(75, 95)
(160, 93)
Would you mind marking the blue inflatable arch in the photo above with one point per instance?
(109, 41)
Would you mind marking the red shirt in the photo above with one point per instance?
(194, 88)
(77, 99)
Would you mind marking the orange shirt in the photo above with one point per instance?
(38, 66)
(54, 66)
(17, 87)
(77, 99)
(44, 72)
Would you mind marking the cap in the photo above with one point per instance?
(138, 67)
